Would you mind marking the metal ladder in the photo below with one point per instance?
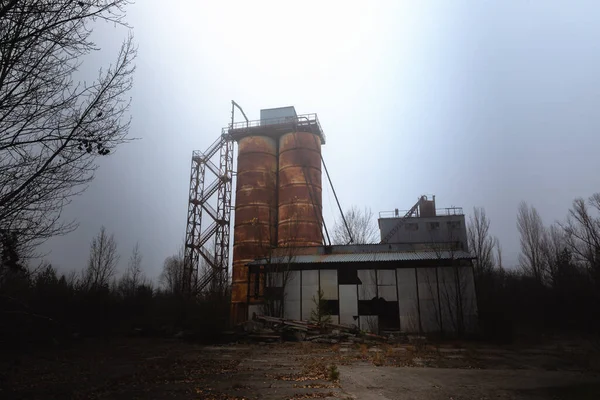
(402, 220)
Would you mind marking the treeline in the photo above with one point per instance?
(41, 307)
(556, 286)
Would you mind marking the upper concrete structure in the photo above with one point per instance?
(427, 226)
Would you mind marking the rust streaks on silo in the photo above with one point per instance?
(299, 209)
(255, 213)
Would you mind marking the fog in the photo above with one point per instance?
(480, 103)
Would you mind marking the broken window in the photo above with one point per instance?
(348, 276)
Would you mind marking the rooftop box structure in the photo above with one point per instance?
(277, 115)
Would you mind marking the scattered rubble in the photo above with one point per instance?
(270, 329)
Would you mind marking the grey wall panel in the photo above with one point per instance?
(368, 289)
(386, 281)
(278, 278)
(388, 293)
(254, 308)
(469, 298)
(367, 276)
(348, 304)
(428, 300)
(292, 309)
(451, 228)
(310, 277)
(275, 279)
(448, 291)
(310, 288)
(367, 292)
(329, 284)
(386, 277)
(369, 323)
(458, 299)
(407, 300)
(292, 287)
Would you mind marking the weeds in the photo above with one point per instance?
(334, 373)
(379, 359)
(363, 350)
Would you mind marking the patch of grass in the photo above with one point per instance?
(314, 386)
(379, 359)
(363, 350)
(410, 354)
(314, 395)
(334, 373)
(389, 350)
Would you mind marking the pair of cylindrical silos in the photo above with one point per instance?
(278, 202)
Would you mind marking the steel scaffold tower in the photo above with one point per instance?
(209, 241)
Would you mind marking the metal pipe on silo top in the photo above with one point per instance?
(299, 192)
(255, 213)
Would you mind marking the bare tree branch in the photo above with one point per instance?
(481, 244)
(134, 276)
(361, 224)
(498, 249)
(171, 278)
(582, 231)
(102, 264)
(531, 229)
(51, 127)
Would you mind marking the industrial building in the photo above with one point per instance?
(419, 278)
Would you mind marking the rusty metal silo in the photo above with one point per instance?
(278, 195)
(255, 213)
(299, 191)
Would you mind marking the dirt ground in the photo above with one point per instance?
(166, 369)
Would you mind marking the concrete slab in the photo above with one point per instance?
(389, 383)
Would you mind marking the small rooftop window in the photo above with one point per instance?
(432, 226)
(412, 226)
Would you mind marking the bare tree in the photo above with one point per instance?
(582, 231)
(481, 244)
(553, 245)
(10, 259)
(134, 276)
(498, 249)
(52, 127)
(531, 229)
(102, 264)
(171, 278)
(361, 225)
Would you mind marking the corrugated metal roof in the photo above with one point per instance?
(368, 257)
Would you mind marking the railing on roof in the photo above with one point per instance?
(299, 120)
(439, 212)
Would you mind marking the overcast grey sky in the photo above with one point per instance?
(482, 103)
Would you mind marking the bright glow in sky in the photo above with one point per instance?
(480, 103)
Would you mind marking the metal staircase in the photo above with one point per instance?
(216, 229)
(402, 220)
